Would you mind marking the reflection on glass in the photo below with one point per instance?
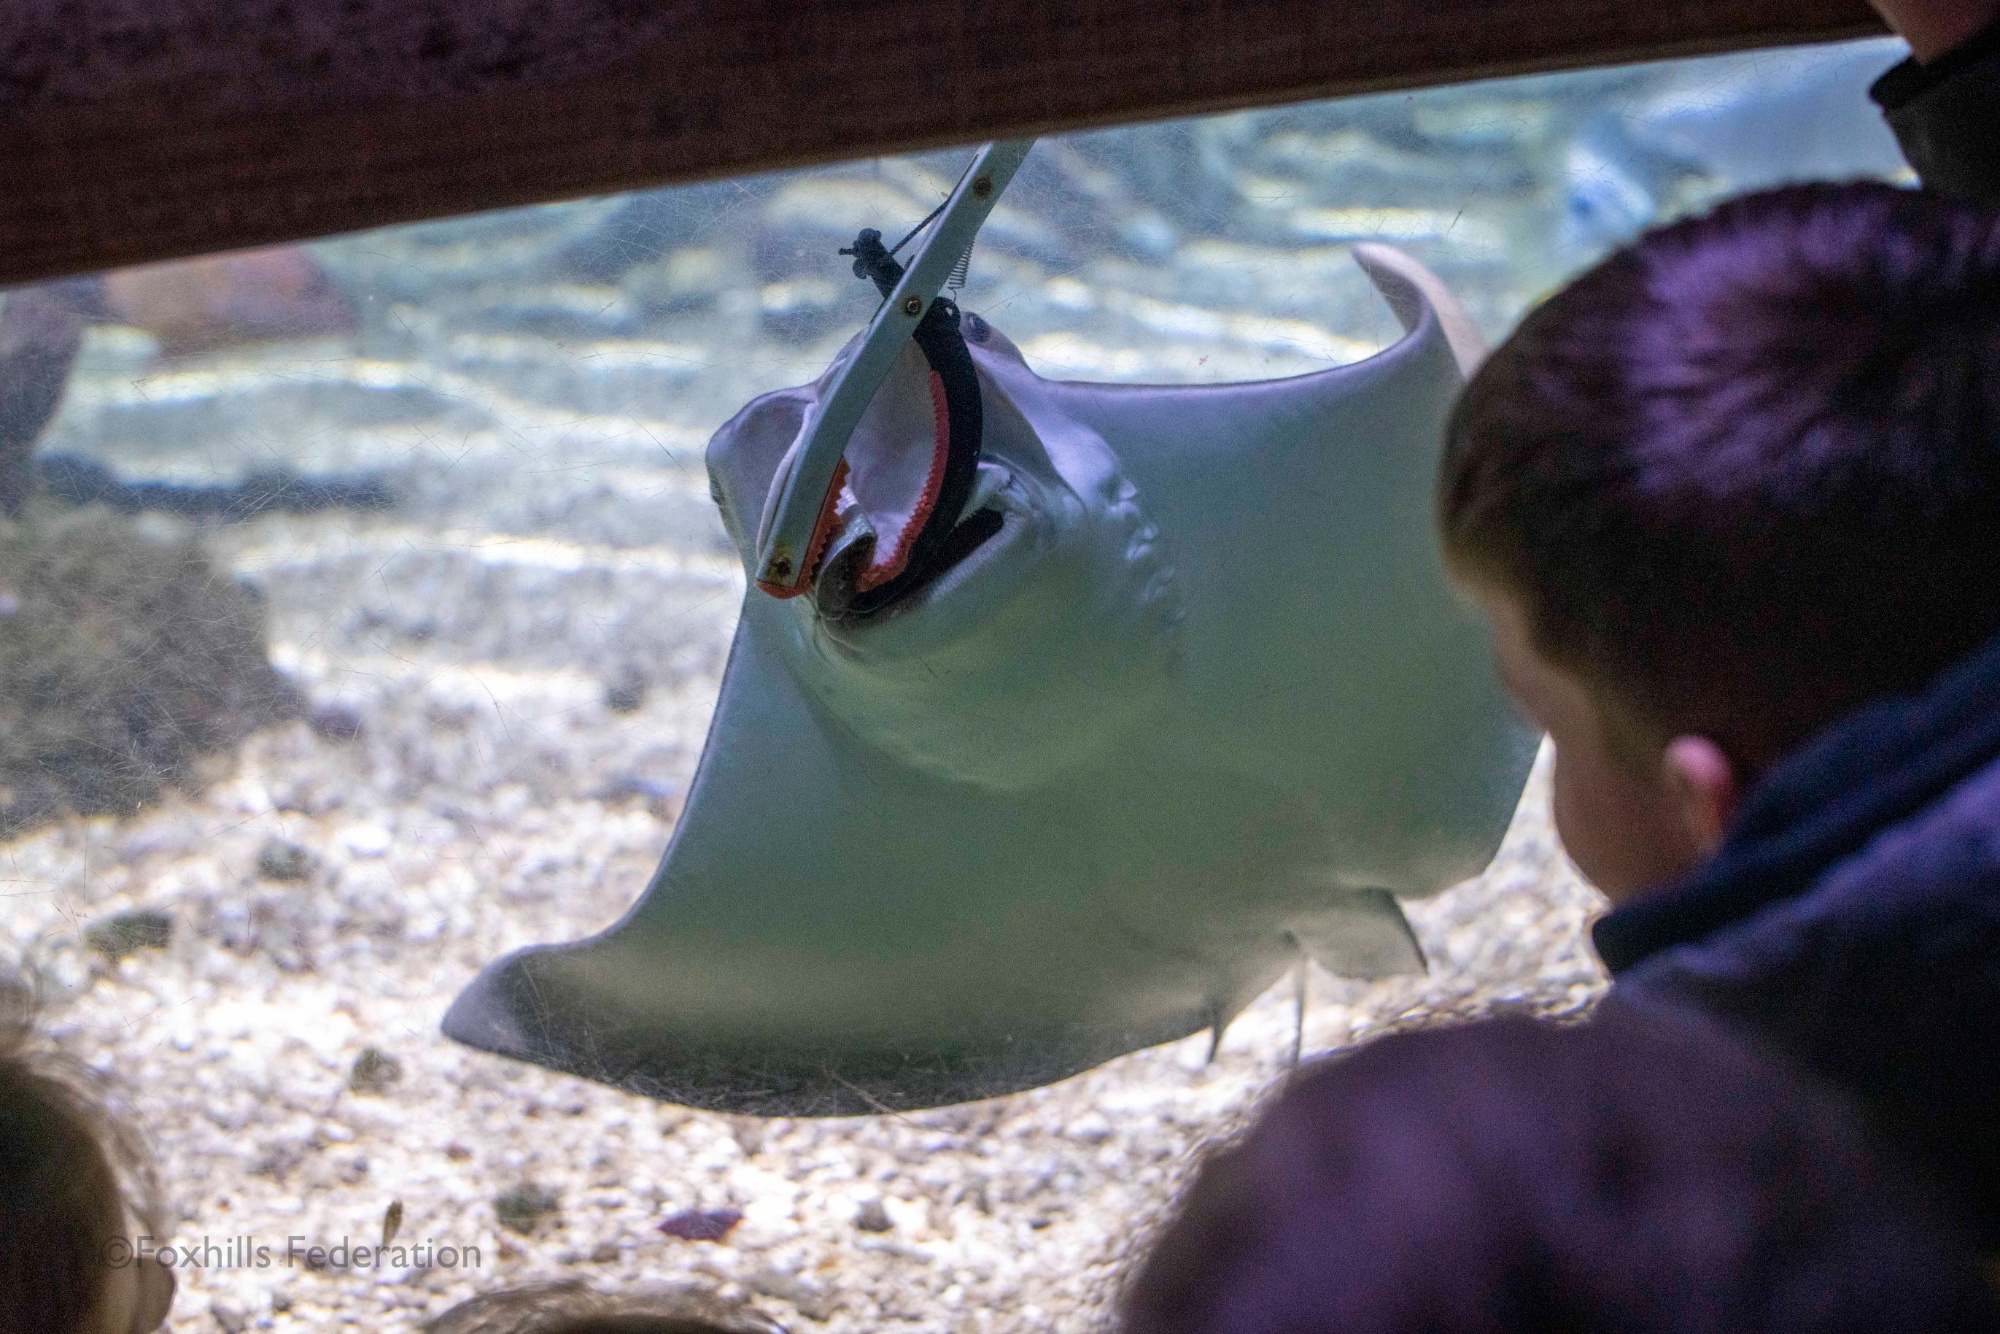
(459, 467)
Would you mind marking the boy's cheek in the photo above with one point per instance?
(156, 1297)
(1572, 828)
(1610, 827)
(138, 1298)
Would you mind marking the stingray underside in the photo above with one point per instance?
(862, 909)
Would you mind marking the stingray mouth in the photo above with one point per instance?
(870, 574)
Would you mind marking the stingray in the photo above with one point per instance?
(1179, 699)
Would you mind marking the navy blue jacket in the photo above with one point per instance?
(1946, 115)
(1851, 921)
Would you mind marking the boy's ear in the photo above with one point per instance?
(1702, 785)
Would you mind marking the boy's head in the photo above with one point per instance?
(75, 1188)
(1638, 1173)
(570, 1306)
(1734, 482)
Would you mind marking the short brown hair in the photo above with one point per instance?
(69, 1173)
(571, 1306)
(1746, 471)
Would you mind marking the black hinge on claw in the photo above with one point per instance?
(875, 261)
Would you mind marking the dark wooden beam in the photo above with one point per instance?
(135, 130)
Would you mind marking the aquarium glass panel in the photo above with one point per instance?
(363, 610)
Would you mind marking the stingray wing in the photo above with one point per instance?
(832, 934)
(1337, 666)
(1335, 677)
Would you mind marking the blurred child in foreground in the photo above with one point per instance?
(1637, 1174)
(76, 1191)
(571, 1306)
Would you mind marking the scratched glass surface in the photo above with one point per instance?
(458, 469)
